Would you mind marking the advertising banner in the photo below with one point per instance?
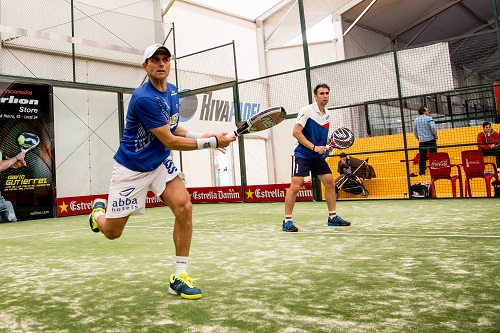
(275, 192)
(26, 166)
(255, 193)
(69, 206)
(215, 194)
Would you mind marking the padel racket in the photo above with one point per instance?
(341, 138)
(261, 121)
(27, 141)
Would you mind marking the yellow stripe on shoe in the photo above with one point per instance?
(184, 286)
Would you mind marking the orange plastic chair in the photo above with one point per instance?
(440, 168)
(474, 167)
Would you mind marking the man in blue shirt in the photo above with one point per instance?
(425, 130)
(143, 163)
(311, 131)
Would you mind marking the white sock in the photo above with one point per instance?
(181, 264)
(97, 214)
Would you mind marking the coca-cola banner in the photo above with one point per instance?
(275, 192)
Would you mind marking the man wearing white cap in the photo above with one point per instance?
(143, 163)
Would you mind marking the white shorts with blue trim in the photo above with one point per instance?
(128, 189)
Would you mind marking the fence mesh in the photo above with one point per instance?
(210, 67)
(379, 96)
(287, 90)
(85, 48)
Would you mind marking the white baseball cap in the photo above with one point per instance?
(150, 50)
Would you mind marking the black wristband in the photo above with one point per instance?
(313, 148)
(216, 142)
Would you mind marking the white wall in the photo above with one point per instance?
(86, 138)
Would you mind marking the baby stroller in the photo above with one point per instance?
(352, 181)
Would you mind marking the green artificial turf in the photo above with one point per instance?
(403, 266)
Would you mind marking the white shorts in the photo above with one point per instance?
(128, 189)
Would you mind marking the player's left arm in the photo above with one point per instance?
(297, 134)
(433, 128)
(181, 131)
(176, 142)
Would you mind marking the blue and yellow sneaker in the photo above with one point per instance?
(183, 286)
(289, 227)
(337, 221)
(99, 205)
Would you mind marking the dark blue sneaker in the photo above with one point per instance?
(289, 227)
(337, 221)
(184, 287)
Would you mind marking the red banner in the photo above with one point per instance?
(83, 205)
(275, 192)
(496, 88)
(255, 193)
(76, 205)
(215, 194)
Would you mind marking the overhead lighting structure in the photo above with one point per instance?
(359, 17)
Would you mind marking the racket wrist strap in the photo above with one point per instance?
(193, 135)
(208, 143)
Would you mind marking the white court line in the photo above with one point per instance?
(417, 235)
(41, 234)
(315, 233)
(130, 224)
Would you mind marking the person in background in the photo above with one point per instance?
(488, 142)
(425, 130)
(311, 132)
(7, 213)
(343, 166)
(143, 163)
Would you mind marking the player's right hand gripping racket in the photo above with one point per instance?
(261, 121)
(341, 138)
(27, 141)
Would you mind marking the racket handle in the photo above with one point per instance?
(331, 149)
(232, 135)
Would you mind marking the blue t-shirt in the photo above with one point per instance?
(315, 130)
(149, 108)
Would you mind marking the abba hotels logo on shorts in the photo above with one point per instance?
(125, 203)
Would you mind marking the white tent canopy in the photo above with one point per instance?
(406, 21)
